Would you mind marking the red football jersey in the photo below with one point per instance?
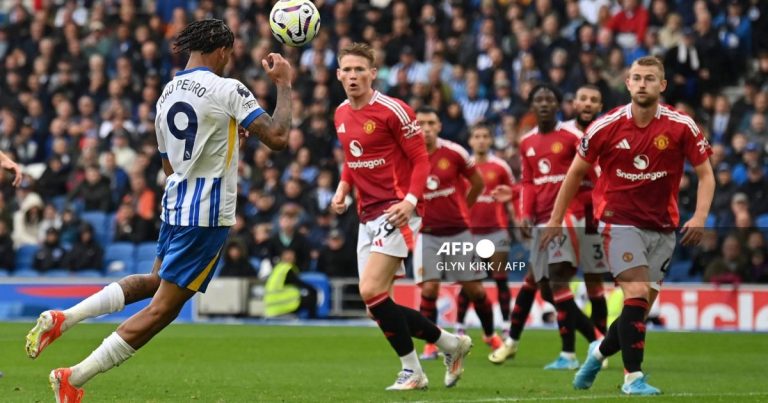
(545, 159)
(641, 167)
(445, 195)
(488, 215)
(384, 152)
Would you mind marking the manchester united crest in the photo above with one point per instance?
(627, 257)
(369, 127)
(557, 147)
(490, 175)
(661, 142)
(443, 164)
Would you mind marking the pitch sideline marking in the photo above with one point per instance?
(595, 397)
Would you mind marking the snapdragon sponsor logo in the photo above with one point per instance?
(440, 193)
(647, 176)
(368, 164)
(548, 179)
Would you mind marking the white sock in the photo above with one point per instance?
(447, 341)
(109, 299)
(569, 356)
(597, 354)
(112, 352)
(510, 341)
(411, 361)
(630, 377)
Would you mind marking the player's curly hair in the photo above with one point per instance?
(204, 36)
(544, 86)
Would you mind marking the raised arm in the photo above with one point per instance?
(273, 130)
(9, 165)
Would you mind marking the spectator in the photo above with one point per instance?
(7, 253)
(70, 227)
(730, 267)
(336, 258)
(285, 292)
(630, 24)
(93, 191)
(756, 189)
(53, 181)
(320, 197)
(725, 188)
(27, 220)
(236, 262)
(288, 237)
(51, 219)
(50, 255)
(758, 267)
(130, 227)
(142, 198)
(86, 254)
(704, 254)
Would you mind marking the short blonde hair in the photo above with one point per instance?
(358, 49)
(651, 61)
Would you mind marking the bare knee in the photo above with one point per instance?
(474, 290)
(430, 289)
(369, 291)
(636, 289)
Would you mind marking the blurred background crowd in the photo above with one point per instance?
(79, 80)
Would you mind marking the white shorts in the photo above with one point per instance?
(575, 246)
(627, 247)
(499, 238)
(380, 236)
(429, 265)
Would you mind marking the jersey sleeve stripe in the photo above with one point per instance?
(680, 118)
(603, 122)
(394, 107)
(231, 140)
(251, 117)
(503, 164)
(459, 150)
(164, 156)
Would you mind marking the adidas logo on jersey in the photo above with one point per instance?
(530, 153)
(341, 129)
(623, 145)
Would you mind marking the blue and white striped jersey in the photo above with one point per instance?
(197, 117)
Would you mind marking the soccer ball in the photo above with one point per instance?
(294, 22)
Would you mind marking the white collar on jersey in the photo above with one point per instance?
(628, 111)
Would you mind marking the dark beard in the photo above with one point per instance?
(584, 123)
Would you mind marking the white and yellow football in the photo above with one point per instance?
(294, 22)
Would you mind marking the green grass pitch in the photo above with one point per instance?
(228, 363)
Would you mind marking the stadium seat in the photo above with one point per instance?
(109, 235)
(88, 273)
(711, 221)
(26, 272)
(143, 265)
(25, 256)
(323, 286)
(762, 223)
(678, 272)
(119, 259)
(146, 250)
(57, 273)
(100, 222)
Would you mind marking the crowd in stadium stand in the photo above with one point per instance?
(79, 80)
